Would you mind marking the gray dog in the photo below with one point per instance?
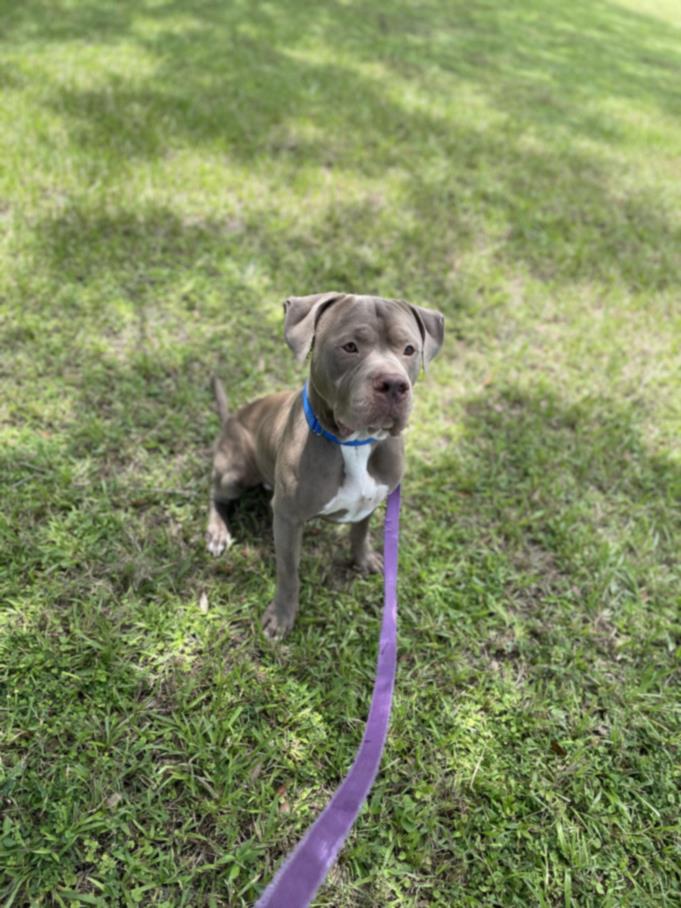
(335, 449)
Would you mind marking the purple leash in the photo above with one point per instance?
(297, 880)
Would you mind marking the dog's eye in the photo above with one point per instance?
(351, 347)
(409, 350)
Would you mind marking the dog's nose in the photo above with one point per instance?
(392, 385)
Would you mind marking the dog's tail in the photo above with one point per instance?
(220, 399)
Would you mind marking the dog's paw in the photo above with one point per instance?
(218, 538)
(277, 624)
(371, 563)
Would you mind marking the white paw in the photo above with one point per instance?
(218, 538)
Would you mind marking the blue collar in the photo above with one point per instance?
(317, 428)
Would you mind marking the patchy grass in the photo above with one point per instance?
(171, 171)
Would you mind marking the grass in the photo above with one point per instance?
(171, 171)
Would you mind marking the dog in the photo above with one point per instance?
(334, 449)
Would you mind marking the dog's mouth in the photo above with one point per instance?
(375, 430)
(342, 430)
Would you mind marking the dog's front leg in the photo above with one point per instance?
(281, 613)
(364, 558)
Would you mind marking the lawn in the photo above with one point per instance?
(169, 172)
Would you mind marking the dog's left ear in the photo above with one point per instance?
(301, 314)
(432, 327)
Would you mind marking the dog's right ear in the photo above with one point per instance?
(301, 314)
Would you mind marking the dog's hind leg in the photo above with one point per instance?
(234, 471)
(218, 537)
(227, 485)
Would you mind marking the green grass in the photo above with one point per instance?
(170, 172)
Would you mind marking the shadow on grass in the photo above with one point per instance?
(249, 84)
(250, 519)
(133, 298)
(520, 54)
(570, 498)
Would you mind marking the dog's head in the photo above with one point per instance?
(366, 355)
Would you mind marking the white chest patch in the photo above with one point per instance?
(359, 493)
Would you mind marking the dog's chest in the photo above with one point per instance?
(359, 493)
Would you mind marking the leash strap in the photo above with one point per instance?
(297, 880)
